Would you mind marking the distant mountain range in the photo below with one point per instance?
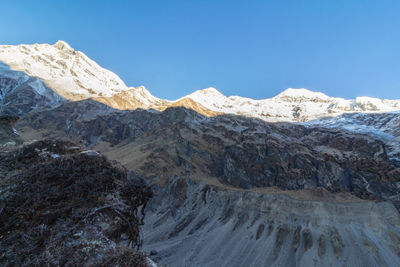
(73, 76)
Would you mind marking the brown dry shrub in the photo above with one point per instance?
(53, 210)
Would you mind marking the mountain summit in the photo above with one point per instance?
(302, 93)
(68, 72)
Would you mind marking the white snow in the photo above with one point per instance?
(293, 105)
(62, 68)
(140, 94)
(151, 262)
(302, 93)
(70, 73)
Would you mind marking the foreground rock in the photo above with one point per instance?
(61, 206)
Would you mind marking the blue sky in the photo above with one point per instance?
(343, 48)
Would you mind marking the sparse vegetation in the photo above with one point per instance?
(61, 206)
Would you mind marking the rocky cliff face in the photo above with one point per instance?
(21, 93)
(383, 126)
(235, 151)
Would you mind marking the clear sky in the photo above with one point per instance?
(256, 49)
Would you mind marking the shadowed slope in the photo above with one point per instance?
(236, 151)
(63, 206)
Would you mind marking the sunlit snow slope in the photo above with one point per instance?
(295, 105)
(70, 73)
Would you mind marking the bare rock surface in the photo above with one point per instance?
(8, 134)
(219, 227)
(234, 151)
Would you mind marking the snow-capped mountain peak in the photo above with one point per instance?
(301, 93)
(62, 73)
(207, 94)
(62, 45)
(70, 73)
(295, 105)
(207, 91)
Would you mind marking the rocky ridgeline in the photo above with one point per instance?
(237, 151)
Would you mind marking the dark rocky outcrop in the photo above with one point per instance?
(20, 93)
(8, 135)
(63, 206)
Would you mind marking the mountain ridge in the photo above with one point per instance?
(74, 76)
